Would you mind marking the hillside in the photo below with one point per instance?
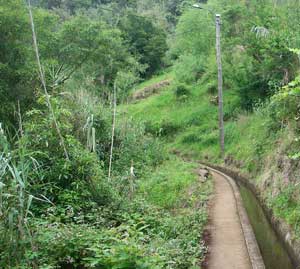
(188, 124)
(108, 106)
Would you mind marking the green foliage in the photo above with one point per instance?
(165, 117)
(146, 40)
(286, 205)
(70, 48)
(62, 179)
(71, 6)
(15, 204)
(165, 185)
(168, 128)
(261, 60)
(152, 239)
(79, 246)
(137, 235)
(191, 139)
(98, 49)
(283, 110)
(137, 147)
(58, 212)
(17, 66)
(256, 54)
(181, 92)
(284, 107)
(251, 142)
(78, 218)
(193, 44)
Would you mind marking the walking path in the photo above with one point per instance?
(227, 249)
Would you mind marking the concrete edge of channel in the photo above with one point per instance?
(254, 253)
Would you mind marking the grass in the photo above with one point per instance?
(164, 109)
(156, 79)
(15, 203)
(191, 127)
(174, 185)
(175, 188)
(166, 186)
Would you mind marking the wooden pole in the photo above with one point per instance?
(113, 130)
(220, 83)
(131, 180)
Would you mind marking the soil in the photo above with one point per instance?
(150, 90)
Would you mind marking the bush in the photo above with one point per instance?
(15, 204)
(79, 181)
(151, 128)
(82, 246)
(188, 68)
(212, 87)
(168, 128)
(181, 92)
(135, 145)
(191, 139)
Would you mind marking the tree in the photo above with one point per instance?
(17, 62)
(256, 37)
(257, 49)
(193, 44)
(95, 48)
(146, 41)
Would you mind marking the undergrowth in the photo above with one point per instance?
(262, 143)
(58, 213)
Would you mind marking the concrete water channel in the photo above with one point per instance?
(273, 252)
(266, 250)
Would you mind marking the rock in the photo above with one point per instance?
(203, 173)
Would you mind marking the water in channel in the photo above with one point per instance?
(273, 252)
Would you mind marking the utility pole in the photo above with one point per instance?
(220, 77)
(220, 83)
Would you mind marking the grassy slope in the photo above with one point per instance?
(152, 81)
(173, 185)
(191, 126)
(164, 186)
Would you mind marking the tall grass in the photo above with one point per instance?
(15, 203)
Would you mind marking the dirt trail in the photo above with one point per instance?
(227, 248)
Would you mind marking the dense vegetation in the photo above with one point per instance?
(261, 97)
(58, 206)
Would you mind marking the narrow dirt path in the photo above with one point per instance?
(227, 248)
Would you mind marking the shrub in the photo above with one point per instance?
(82, 246)
(284, 106)
(181, 92)
(191, 139)
(79, 181)
(168, 128)
(151, 128)
(134, 145)
(212, 87)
